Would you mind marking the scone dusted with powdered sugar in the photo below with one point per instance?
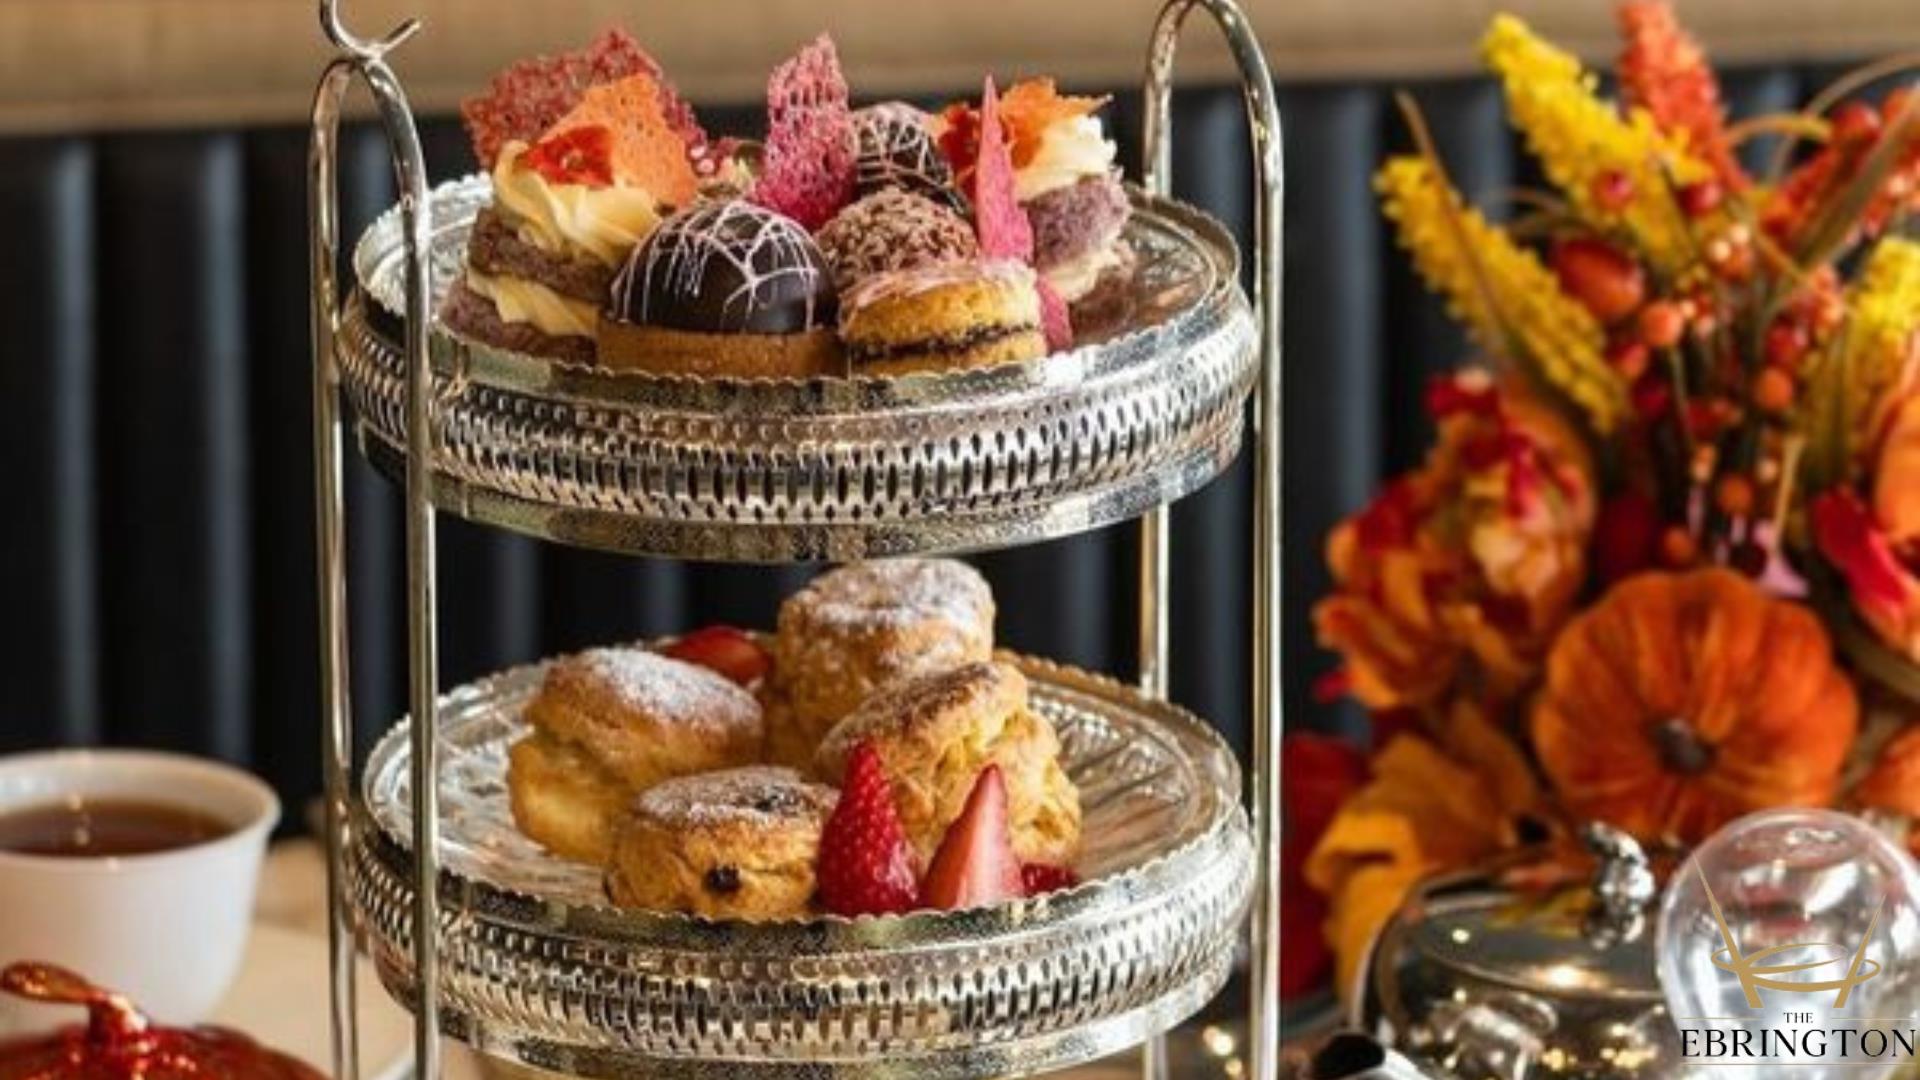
(587, 152)
(610, 723)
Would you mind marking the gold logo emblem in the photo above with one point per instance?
(1755, 976)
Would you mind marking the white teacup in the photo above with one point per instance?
(167, 929)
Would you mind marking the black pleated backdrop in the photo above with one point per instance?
(156, 557)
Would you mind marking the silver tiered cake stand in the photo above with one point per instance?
(523, 959)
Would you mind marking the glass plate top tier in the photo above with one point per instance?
(1145, 409)
(539, 969)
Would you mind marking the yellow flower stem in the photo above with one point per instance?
(1793, 125)
(1677, 368)
(1423, 142)
(1789, 468)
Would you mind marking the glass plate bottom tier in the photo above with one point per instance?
(537, 968)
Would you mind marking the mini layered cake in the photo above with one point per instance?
(725, 288)
(586, 151)
(936, 318)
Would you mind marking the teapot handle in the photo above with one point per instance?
(1624, 886)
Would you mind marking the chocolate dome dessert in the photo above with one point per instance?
(894, 149)
(723, 288)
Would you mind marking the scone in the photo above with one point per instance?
(609, 723)
(860, 627)
(737, 844)
(935, 733)
(562, 798)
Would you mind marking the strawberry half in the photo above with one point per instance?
(975, 864)
(1038, 878)
(733, 653)
(866, 867)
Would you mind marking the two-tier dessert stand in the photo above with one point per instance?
(520, 959)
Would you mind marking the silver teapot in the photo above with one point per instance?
(1476, 980)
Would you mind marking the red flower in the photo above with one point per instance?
(1846, 535)
(581, 155)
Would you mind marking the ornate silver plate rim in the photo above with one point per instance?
(827, 468)
(593, 991)
(1215, 763)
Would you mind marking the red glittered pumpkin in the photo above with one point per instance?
(1682, 701)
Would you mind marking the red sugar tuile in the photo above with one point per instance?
(528, 97)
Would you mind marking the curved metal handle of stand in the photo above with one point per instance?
(1263, 120)
(367, 61)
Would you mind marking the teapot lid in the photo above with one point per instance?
(118, 1043)
(1590, 938)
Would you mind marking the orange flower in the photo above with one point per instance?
(1664, 71)
(1894, 783)
(1459, 572)
(1435, 803)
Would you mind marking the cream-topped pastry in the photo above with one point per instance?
(1069, 151)
(562, 219)
(571, 201)
(1065, 178)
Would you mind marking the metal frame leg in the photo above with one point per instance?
(1154, 595)
(1263, 119)
(367, 61)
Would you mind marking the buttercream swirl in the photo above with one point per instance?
(605, 222)
(1069, 152)
(520, 300)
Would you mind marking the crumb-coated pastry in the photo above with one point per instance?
(723, 288)
(943, 317)
(608, 723)
(739, 844)
(936, 732)
(853, 630)
(893, 229)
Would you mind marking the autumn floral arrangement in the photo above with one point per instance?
(1685, 465)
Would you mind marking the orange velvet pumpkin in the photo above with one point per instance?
(1682, 701)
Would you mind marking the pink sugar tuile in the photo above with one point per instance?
(810, 155)
(1005, 232)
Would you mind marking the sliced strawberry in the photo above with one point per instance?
(975, 864)
(733, 653)
(866, 867)
(1055, 320)
(1038, 878)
